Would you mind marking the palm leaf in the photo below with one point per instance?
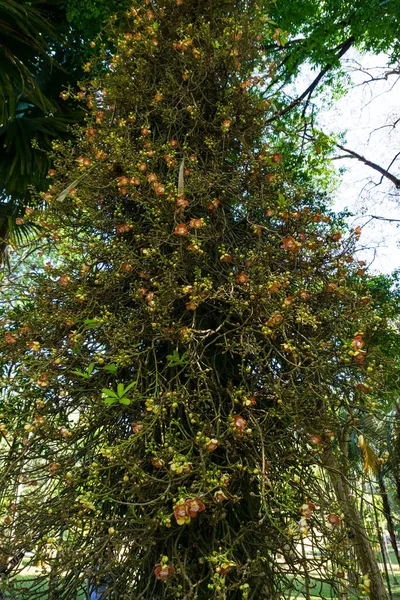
(370, 459)
(12, 234)
(23, 32)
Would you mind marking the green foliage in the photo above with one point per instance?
(90, 16)
(317, 29)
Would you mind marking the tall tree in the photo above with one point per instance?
(177, 377)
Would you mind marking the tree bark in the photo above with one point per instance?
(388, 515)
(362, 545)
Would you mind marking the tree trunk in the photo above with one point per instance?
(388, 516)
(362, 546)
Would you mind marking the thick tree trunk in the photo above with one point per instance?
(362, 545)
(388, 516)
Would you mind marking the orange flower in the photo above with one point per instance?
(250, 401)
(65, 280)
(162, 572)
(315, 439)
(275, 320)
(331, 287)
(191, 305)
(181, 229)
(156, 462)
(136, 427)
(358, 342)
(160, 190)
(195, 249)
(100, 114)
(361, 387)
(195, 506)
(239, 423)
(334, 519)
(181, 203)
(359, 356)
(219, 496)
(241, 278)
(42, 380)
(10, 339)
(212, 445)
(226, 258)
(123, 228)
(336, 236)
(171, 163)
(122, 181)
(276, 157)
(225, 568)
(306, 512)
(288, 301)
(188, 510)
(273, 288)
(145, 131)
(142, 166)
(126, 267)
(305, 296)
(196, 223)
(213, 205)
(290, 244)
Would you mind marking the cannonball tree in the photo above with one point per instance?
(181, 359)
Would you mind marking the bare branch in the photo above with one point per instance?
(373, 165)
(384, 219)
(308, 92)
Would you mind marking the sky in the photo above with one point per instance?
(366, 114)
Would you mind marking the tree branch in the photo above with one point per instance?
(373, 165)
(343, 49)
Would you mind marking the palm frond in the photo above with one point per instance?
(370, 459)
(23, 32)
(12, 233)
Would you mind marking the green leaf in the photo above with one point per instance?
(130, 386)
(90, 368)
(110, 400)
(112, 368)
(110, 393)
(120, 390)
(91, 323)
(80, 373)
(175, 360)
(124, 400)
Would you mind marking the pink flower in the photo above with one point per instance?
(162, 572)
(239, 423)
